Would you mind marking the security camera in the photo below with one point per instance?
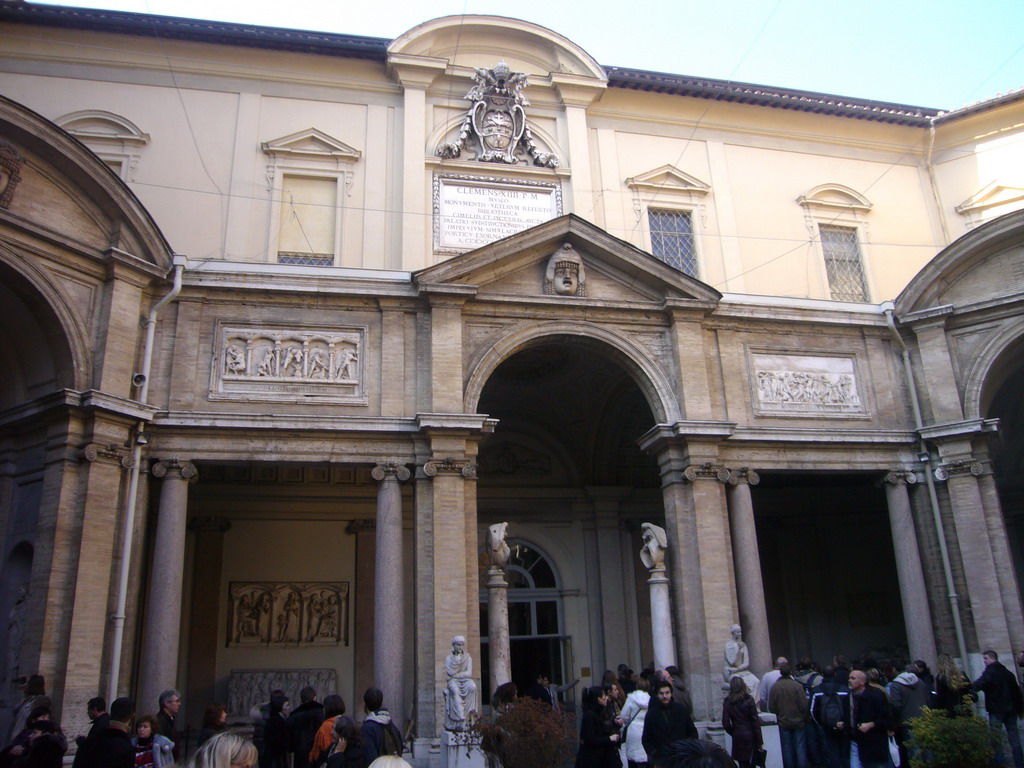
(138, 379)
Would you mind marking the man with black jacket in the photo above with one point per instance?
(869, 722)
(303, 723)
(666, 722)
(1004, 703)
(112, 746)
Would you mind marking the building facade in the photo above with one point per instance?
(293, 318)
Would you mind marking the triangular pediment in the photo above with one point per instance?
(613, 270)
(311, 143)
(668, 178)
(991, 196)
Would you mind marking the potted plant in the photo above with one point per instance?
(941, 741)
(526, 733)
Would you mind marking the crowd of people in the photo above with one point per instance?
(313, 735)
(841, 715)
(860, 715)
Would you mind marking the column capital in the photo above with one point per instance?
(186, 470)
(390, 469)
(743, 475)
(361, 526)
(450, 466)
(112, 454)
(962, 468)
(708, 471)
(899, 477)
(210, 524)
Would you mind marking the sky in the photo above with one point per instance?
(932, 53)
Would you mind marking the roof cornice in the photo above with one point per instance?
(375, 48)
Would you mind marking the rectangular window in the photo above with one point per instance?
(672, 239)
(843, 263)
(308, 221)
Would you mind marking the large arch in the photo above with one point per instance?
(652, 379)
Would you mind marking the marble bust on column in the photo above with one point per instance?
(460, 695)
(737, 662)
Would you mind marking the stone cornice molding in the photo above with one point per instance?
(390, 469)
(458, 422)
(415, 71)
(958, 430)
(447, 294)
(683, 431)
(117, 405)
(184, 469)
(450, 466)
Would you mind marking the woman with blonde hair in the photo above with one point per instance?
(951, 685)
(389, 761)
(225, 750)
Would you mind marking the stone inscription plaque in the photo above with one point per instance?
(470, 212)
(805, 385)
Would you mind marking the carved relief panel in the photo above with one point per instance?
(248, 688)
(820, 385)
(287, 614)
(289, 364)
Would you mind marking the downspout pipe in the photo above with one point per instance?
(925, 457)
(140, 381)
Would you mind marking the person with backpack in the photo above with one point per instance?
(830, 708)
(380, 735)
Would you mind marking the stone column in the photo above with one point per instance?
(913, 591)
(1005, 572)
(389, 591)
(159, 668)
(363, 602)
(202, 641)
(747, 564)
(653, 557)
(497, 627)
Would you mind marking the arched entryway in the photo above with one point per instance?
(1001, 399)
(565, 471)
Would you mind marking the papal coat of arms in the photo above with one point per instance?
(498, 120)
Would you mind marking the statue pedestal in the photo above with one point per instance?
(462, 750)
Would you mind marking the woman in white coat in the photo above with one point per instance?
(632, 715)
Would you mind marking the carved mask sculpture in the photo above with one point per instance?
(565, 275)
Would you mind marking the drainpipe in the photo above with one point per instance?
(141, 382)
(925, 457)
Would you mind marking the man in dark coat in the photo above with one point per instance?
(169, 702)
(1004, 704)
(303, 723)
(869, 722)
(830, 708)
(667, 721)
(111, 747)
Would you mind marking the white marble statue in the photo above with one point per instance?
(500, 551)
(461, 692)
(655, 543)
(737, 661)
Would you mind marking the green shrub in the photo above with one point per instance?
(527, 734)
(941, 741)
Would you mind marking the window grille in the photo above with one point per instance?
(306, 259)
(672, 239)
(843, 263)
